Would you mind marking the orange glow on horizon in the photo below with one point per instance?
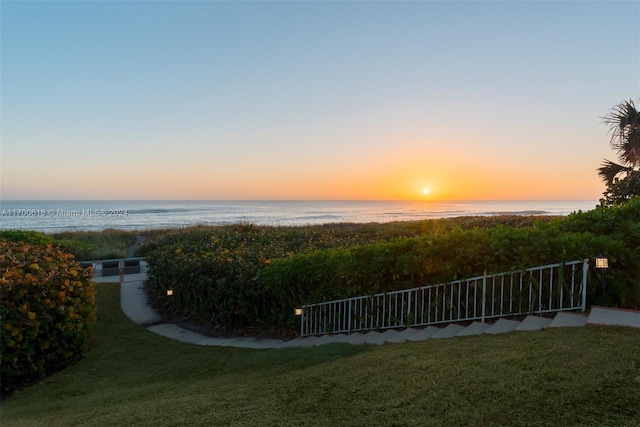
(386, 176)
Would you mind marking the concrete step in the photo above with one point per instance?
(449, 331)
(502, 326)
(613, 317)
(341, 338)
(382, 337)
(356, 338)
(566, 319)
(424, 334)
(402, 336)
(534, 323)
(371, 337)
(598, 316)
(326, 339)
(476, 328)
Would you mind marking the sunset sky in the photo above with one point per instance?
(312, 100)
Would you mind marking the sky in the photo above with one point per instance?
(311, 100)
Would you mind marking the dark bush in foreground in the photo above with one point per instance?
(47, 312)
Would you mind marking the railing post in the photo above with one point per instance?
(349, 326)
(406, 320)
(585, 271)
(484, 295)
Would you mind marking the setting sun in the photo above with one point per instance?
(425, 191)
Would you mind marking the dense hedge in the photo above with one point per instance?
(343, 273)
(47, 312)
(247, 275)
(84, 245)
(621, 222)
(216, 272)
(27, 236)
(80, 250)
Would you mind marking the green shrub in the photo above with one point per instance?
(406, 263)
(47, 312)
(82, 251)
(216, 273)
(622, 223)
(215, 277)
(26, 236)
(612, 221)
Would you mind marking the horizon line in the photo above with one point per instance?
(426, 199)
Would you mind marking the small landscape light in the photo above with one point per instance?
(298, 311)
(602, 262)
(169, 292)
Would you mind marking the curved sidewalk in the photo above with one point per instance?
(133, 302)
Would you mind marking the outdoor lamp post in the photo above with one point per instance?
(602, 264)
(299, 312)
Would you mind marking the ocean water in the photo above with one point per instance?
(52, 216)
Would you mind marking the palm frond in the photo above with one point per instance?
(624, 128)
(610, 170)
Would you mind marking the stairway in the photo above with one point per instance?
(133, 301)
(597, 316)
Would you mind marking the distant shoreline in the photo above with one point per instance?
(55, 216)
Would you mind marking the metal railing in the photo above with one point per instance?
(536, 290)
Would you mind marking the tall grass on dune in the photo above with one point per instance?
(92, 245)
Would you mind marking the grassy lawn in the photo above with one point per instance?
(581, 376)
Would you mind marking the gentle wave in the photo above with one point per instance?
(156, 211)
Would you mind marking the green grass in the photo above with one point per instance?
(581, 376)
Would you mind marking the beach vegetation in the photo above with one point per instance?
(95, 245)
(217, 273)
(47, 311)
(27, 236)
(385, 267)
(251, 276)
(84, 245)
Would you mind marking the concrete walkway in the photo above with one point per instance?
(134, 304)
(133, 301)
